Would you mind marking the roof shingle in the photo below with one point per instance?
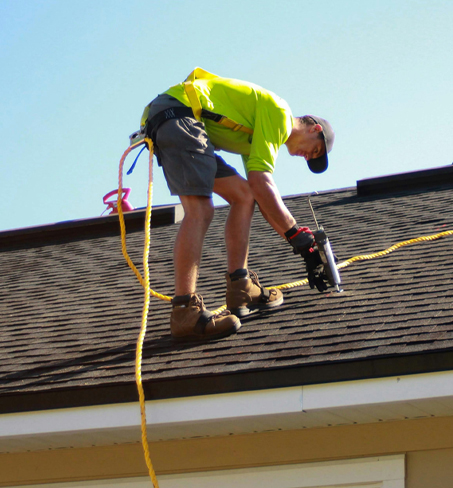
(71, 309)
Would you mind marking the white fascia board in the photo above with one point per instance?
(286, 408)
(227, 405)
(69, 419)
(158, 412)
(378, 391)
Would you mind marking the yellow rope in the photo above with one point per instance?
(145, 284)
(364, 257)
(148, 291)
(123, 225)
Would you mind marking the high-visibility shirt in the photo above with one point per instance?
(251, 105)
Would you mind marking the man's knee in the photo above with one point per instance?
(235, 190)
(198, 209)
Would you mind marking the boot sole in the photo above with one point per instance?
(242, 312)
(204, 338)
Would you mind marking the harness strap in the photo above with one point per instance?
(155, 122)
(234, 126)
(193, 99)
(199, 112)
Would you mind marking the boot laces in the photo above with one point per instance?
(254, 278)
(197, 301)
(255, 281)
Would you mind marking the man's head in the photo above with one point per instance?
(312, 138)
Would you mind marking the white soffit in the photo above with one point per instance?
(343, 403)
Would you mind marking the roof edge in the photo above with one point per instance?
(207, 415)
(92, 227)
(360, 369)
(442, 175)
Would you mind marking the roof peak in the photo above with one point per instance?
(424, 178)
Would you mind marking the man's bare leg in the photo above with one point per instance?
(244, 292)
(236, 191)
(198, 214)
(189, 320)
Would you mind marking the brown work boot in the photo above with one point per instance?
(245, 295)
(190, 321)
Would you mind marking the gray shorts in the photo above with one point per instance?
(186, 154)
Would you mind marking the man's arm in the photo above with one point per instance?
(279, 217)
(270, 202)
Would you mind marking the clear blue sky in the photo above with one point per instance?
(76, 74)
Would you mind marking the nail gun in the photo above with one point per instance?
(326, 253)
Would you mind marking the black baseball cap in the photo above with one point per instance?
(319, 165)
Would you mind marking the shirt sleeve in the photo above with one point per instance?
(273, 124)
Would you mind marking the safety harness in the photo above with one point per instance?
(150, 126)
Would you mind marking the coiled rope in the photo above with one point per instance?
(149, 292)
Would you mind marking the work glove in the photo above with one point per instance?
(303, 243)
(315, 269)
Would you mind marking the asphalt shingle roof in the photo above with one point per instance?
(71, 308)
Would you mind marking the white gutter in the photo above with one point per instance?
(363, 401)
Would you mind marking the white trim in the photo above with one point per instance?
(191, 409)
(376, 472)
(381, 390)
(363, 401)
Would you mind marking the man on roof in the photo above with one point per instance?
(188, 123)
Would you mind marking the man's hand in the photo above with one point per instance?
(315, 269)
(302, 241)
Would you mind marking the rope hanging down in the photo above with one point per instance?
(145, 283)
(149, 292)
